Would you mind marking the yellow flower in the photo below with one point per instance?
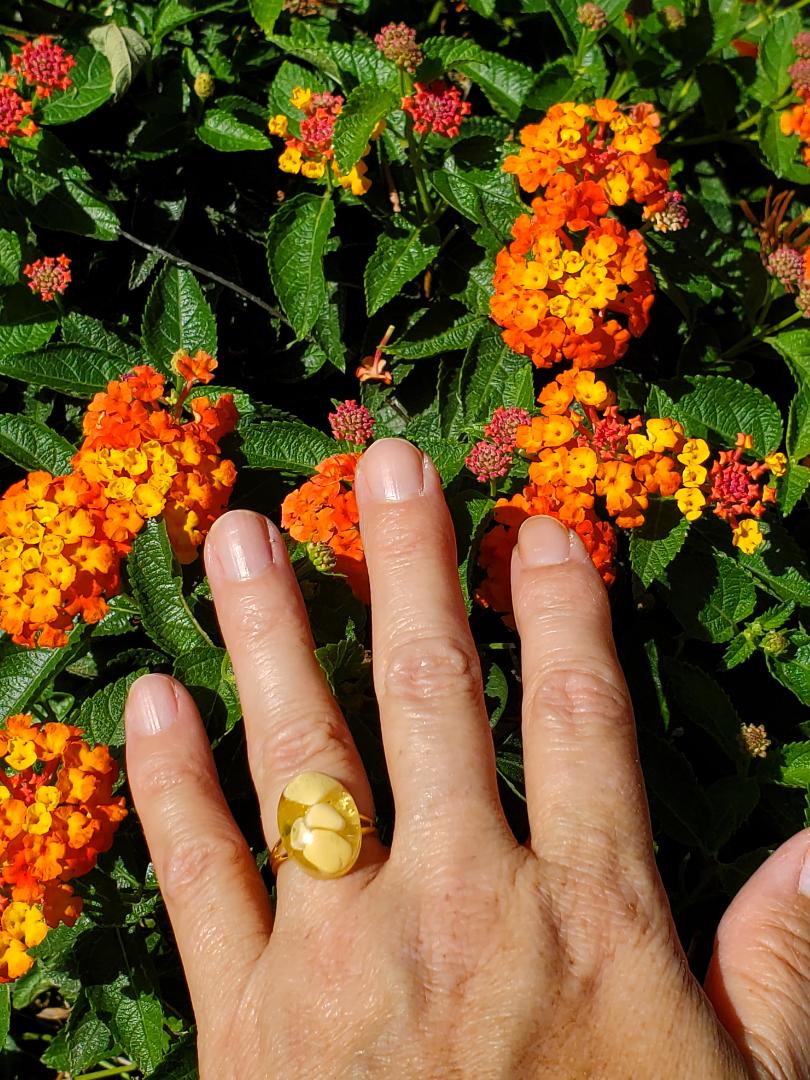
(747, 536)
(664, 434)
(355, 178)
(580, 466)
(694, 452)
(290, 160)
(777, 463)
(587, 388)
(37, 819)
(22, 754)
(638, 445)
(277, 125)
(313, 170)
(300, 97)
(148, 502)
(48, 796)
(24, 923)
(693, 476)
(690, 502)
(377, 130)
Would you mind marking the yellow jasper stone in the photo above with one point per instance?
(319, 824)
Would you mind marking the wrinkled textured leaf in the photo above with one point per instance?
(235, 124)
(101, 716)
(92, 86)
(727, 407)
(33, 445)
(710, 594)
(9, 257)
(177, 316)
(285, 444)
(208, 676)
(655, 544)
(396, 261)
(24, 673)
(69, 369)
(365, 106)
(296, 241)
(25, 336)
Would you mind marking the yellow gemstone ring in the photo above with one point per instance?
(320, 826)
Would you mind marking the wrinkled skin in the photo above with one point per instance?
(459, 952)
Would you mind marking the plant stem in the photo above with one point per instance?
(752, 339)
(120, 1070)
(178, 261)
(418, 174)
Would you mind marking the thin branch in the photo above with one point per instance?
(207, 273)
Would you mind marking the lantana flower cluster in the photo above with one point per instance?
(585, 455)
(796, 119)
(57, 814)
(40, 66)
(49, 276)
(574, 284)
(62, 538)
(311, 153)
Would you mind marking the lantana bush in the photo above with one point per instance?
(564, 250)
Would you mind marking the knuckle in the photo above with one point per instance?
(572, 692)
(552, 596)
(432, 669)
(298, 736)
(196, 866)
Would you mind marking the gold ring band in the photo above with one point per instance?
(319, 826)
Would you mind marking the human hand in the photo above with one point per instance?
(459, 952)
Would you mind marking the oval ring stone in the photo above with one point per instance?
(319, 824)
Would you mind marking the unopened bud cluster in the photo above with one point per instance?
(754, 740)
(592, 17)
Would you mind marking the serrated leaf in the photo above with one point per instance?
(794, 764)
(365, 106)
(23, 337)
(509, 765)
(288, 445)
(33, 445)
(126, 53)
(446, 454)
(489, 367)
(701, 700)
(265, 12)
(25, 672)
(9, 257)
(482, 195)
(234, 125)
(774, 57)
(208, 676)
(726, 406)
(776, 617)
(470, 511)
(5, 1012)
(709, 594)
(781, 152)
(158, 588)
(78, 329)
(101, 716)
(287, 77)
(181, 1062)
(779, 566)
(177, 316)
(738, 650)
(458, 336)
(496, 686)
(69, 369)
(793, 669)
(91, 86)
(396, 260)
(655, 544)
(792, 487)
(296, 242)
(506, 83)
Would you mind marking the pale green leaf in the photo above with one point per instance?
(794, 764)
(126, 53)
(265, 12)
(235, 124)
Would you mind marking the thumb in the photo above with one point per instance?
(759, 976)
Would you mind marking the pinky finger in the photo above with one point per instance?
(217, 903)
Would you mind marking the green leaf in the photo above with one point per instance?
(158, 588)
(126, 53)
(779, 566)
(496, 687)
(726, 406)
(296, 241)
(738, 650)
(700, 700)
(287, 445)
(181, 1062)
(69, 369)
(781, 151)
(678, 801)
(794, 347)
(5, 1012)
(24, 337)
(235, 124)
(470, 511)
(365, 106)
(9, 257)
(509, 765)
(396, 260)
(793, 669)
(101, 716)
(792, 486)
(774, 57)
(794, 764)
(709, 594)
(208, 676)
(482, 195)
(733, 800)
(78, 329)
(506, 83)
(92, 86)
(265, 12)
(33, 445)
(458, 336)
(655, 544)
(446, 454)
(177, 316)
(489, 367)
(24, 673)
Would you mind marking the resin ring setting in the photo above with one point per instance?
(319, 826)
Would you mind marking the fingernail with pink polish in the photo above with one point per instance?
(152, 705)
(241, 544)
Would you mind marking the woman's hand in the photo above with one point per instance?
(459, 952)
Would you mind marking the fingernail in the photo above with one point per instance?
(242, 545)
(804, 876)
(543, 541)
(152, 705)
(393, 470)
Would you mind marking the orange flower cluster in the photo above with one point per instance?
(573, 284)
(62, 538)
(581, 449)
(796, 119)
(323, 511)
(602, 143)
(312, 153)
(57, 814)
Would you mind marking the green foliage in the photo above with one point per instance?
(155, 173)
